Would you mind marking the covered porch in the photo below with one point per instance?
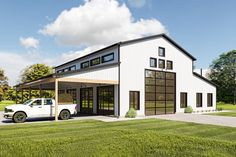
(92, 96)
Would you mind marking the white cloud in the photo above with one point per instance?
(99, 22)
(14, 63)
(137, 3)
(29, 42)
(67, 56)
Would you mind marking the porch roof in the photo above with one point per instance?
(48, 82)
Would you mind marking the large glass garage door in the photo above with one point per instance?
(105, 97)
(159, 92)
(86, 100)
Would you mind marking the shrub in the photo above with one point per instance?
(131, 113)
(219, 109)
(188, 109)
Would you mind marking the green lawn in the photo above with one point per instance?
(225, 106)
(150, 137)
(230, 114)
(5, 103)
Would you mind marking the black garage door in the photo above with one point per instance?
(159, 92)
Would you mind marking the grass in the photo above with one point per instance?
(149, 137)
(230, 114)
(225, 106)
(5, 103)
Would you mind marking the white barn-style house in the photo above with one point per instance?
(153, 74)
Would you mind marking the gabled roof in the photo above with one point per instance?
(134, 41)
(205, 79)
(157, 36)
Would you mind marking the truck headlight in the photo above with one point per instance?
(8, 110)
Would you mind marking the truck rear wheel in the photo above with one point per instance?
(19, 117)
(64, 115)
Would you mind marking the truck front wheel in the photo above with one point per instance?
(19, 117)
(64, 115)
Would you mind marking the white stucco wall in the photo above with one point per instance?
(135, 58)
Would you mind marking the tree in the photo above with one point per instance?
(3, 84)
(223, 73)
(34, 72)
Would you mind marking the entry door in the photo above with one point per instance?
(86, 100)
(105, 96)
(159, 92)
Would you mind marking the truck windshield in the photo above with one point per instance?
(27, 102)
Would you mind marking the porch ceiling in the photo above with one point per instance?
(49, 83)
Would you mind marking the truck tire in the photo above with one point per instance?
(19, 117)
(64, 115)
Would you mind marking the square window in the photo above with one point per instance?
(161, 52)
(169, 65)
(153, 62)
(84, 65)
(108, 58)
(95, 61)
(161, 63)
(72, 68)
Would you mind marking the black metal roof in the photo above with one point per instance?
(205, 79)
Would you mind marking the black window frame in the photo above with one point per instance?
(81, 65)
(198, 99)
(163, 63)
(132, 100)
(169, 68)
(59, 71)
(164, 52)
(209, 101)
(93, 64)
(185, 96)
(155, 62)
(110, 54)
(70, 68)
(66, 70)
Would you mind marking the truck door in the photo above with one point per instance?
(36, 109)
(48, 107)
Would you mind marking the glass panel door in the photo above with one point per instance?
(86, 100)
(105, 97)
(159, 92)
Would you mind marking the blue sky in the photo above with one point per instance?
(205, 28)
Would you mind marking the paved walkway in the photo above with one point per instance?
(201, 119)
(195, 118)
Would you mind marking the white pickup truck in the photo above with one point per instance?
(40, 107)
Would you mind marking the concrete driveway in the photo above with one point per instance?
(194, 118)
